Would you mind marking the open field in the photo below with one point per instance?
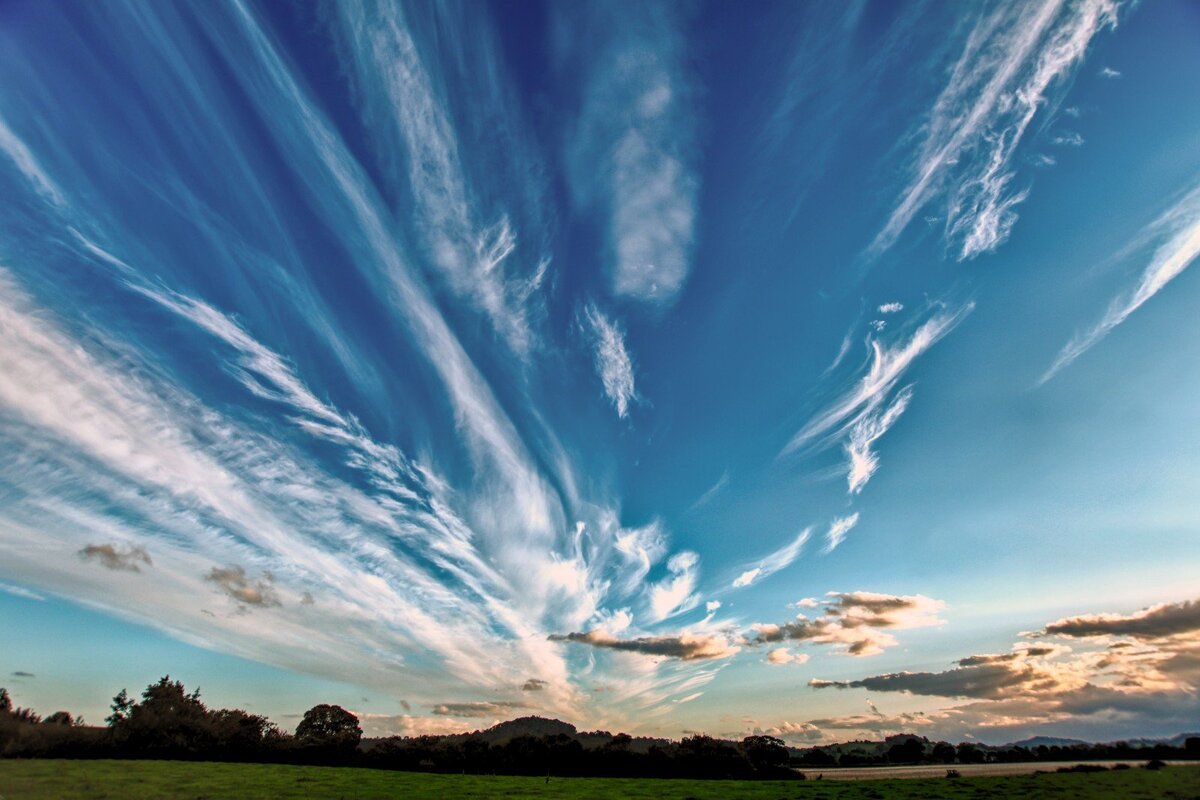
(174, 780)
(966, 770)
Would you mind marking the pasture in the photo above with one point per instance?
(178, 780)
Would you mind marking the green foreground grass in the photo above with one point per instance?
(178, 780)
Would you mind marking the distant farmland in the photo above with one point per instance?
(177, 780)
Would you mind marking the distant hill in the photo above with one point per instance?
(525, 726)
(1045, 741)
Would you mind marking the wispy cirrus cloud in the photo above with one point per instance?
(1015, 61)
(872, 405)
(636, 121)
(27, 164)
(400, 100)
(774, 562)
(613, 365)
(838, 530)
(1180, 228)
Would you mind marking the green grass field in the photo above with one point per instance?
(175, 780)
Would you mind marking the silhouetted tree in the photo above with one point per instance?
(121, 706)
(329, 728)
(764, 752)
(60, 718)
(6, 705)
(167, 722)
(943, 752)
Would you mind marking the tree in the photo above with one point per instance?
(943, 752)
(168, 720)
(764, 752)
(5, 702)
(60, 718)
(121, 706)
(329, 726)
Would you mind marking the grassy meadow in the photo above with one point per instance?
(177, 780)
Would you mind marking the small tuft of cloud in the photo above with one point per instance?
(1109, 72)
(234, 582)
(534, 685)
(114, 557)
(23, 674)
(781, 655)
(891, 308)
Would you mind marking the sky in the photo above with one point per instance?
(826, 371)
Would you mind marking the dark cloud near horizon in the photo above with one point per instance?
(534, 685)
(686, 647)
(234, 581)
(1156, 622)
(23, 674)
(128, 559)
(1005, 658)
(983, 677)
(475, 709)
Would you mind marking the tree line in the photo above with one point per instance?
(168, 722)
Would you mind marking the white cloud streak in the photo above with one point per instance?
(774, 562)
(1013, 59)
(1181, 226)
(869, 409)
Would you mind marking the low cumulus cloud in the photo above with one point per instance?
(534, 685)
(246, 590)
(476, 709)
(781, 655)
(1140, 669)
(859, 621)
(115, 557)
(685, 647)
(1156, 622)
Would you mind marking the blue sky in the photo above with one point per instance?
(823, 371)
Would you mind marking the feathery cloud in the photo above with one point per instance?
(838, 530)
(1181, 227)
(772, 563)
(613, 364)
(869, 409)
(1013, 59)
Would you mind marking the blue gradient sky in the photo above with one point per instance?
(655, 367)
